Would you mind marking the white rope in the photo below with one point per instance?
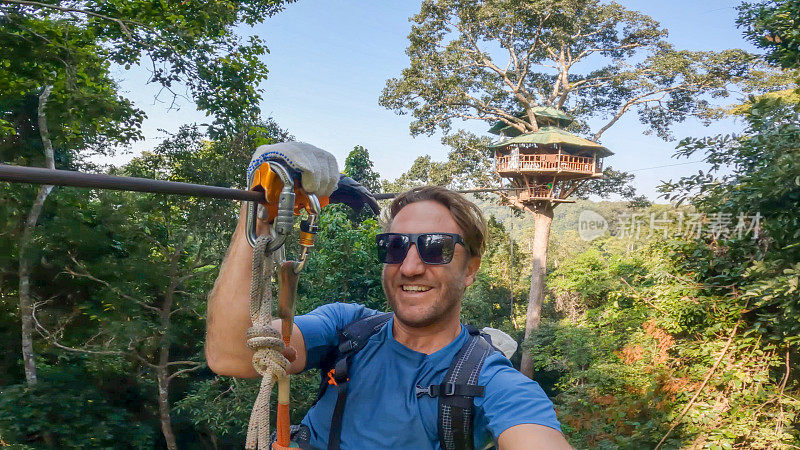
(267, 343)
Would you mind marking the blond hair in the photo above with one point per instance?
(465, 213)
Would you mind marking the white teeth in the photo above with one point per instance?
(408, 287)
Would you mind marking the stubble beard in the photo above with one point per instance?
(446, 306)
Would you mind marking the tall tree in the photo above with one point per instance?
(60, 52)
(146, 263)
(497, 60)
(359, 167)
(57, 92)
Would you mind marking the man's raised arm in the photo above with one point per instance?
(229, 314)
(229, 301)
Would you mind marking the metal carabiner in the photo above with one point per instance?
(287, 271)
(282, 225)
(308, 231)
(264, 176)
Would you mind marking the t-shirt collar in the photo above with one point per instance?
(445, 352)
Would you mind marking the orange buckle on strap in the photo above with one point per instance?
(332, 377)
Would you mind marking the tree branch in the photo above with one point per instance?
(116, 290)
(646, 299)
(47, 334)
(589, 51)
(678, 419)
(197, 366)
(632, 102)
(44, 131)
(517, 90)
(72, 10)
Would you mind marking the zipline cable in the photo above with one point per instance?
(389, 195)
(666, 165)
(37, 175)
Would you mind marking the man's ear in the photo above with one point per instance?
(473, 265)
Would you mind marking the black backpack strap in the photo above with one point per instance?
(352, 338)
(460, 386)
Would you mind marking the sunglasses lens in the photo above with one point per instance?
(392, 248)
(436, 248)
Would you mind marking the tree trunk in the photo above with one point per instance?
(511, 278)
(162, 369)
(25, 302)
(164, 407)
(543, 218)
(162, 372)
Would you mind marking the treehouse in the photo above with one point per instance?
(546, 165)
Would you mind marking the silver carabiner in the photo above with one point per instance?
(282, 225)
(284, 220)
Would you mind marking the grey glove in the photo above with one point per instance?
(319, 173)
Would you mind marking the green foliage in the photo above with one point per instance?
(85, 113)
(773, 25)
(590, 279)
(193, 44)
(455, 69)
(423, 171)
(701, 336)
(221, 405)
(346, 266)
(126, 277)
(627, 366)
(359, 167)
(64, 411)
(765, 180)
(493, 300)
(468, 165)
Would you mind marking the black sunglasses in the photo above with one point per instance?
(433, 248)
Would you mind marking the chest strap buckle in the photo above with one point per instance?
(449, 389)
(332, 378)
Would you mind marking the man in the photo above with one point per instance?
(431, 255)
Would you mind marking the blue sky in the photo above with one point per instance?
(330, 59)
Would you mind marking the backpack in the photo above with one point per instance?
(455, 394)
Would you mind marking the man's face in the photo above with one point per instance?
(421, 294)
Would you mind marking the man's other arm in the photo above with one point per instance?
(229, 314)
(530, 436)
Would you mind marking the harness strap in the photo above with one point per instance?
(335, 434)
(352, 339)
(463, 390)
(455, 394)
(456, 409)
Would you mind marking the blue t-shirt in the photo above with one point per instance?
(382, 409)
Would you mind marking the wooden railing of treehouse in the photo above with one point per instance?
(533, 192)
(567, 163)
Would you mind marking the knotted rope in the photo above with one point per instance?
(267, 343)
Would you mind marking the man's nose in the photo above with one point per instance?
(412, 265)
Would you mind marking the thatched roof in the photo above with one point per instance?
(555, 135)
(539, 111)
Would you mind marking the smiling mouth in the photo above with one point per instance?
(415, 288)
